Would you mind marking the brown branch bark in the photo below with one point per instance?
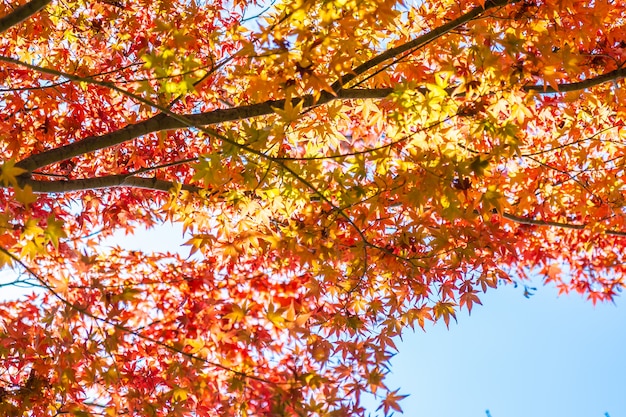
(580, 85)
(548, 223)
(162, 122)
(110, 181)
(22, 13)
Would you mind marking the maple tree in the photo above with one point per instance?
(342, 170)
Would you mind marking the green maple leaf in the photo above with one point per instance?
(54, 231)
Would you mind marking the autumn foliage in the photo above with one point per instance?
(342, 170)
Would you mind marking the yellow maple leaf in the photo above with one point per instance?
(195, 344)
(25, 195)
(54, 230)
(9, 173)
(290, 112)
(179, 394)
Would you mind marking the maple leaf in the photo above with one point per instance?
(391, 402)
(289, 113)
(275, 315)
(468, 299)
(54, 230)
(9, 172)
(25, 195)
(179, 394)
(552, 272)
(444, 310)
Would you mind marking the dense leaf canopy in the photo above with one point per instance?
(342, 170)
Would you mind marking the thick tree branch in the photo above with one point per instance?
(162, 122)
(22, 13)
(419, 41)
(548, 223)
(111, 181)
(580, 85)
(96, 142)
(102, 182)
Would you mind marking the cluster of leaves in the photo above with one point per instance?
(342, 169)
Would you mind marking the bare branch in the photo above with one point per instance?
(110, 181)
(534, 222)
(22, 13)
(580, 85)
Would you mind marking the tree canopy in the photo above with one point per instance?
(342, 170)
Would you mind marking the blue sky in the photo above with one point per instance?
(517, 357)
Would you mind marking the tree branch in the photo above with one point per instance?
(162, 122)
(166, 112)
(110, 181)
(580, 85)
(419, 41)
(548, 223)
(96, 142)
(22, 13)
